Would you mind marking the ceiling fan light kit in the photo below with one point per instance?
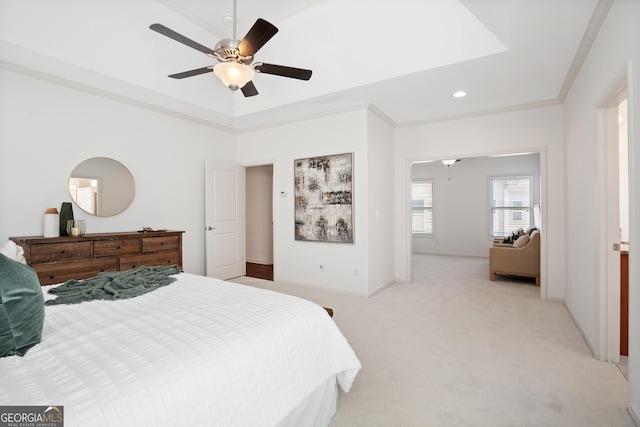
(235, 57)
(233, 74)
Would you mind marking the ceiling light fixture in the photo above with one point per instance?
(460, 94)
(450, 162)
(233, 74)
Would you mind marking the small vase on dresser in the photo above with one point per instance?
(66, 214)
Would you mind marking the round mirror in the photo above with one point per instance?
(101, 186)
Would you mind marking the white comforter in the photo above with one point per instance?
(197, 352)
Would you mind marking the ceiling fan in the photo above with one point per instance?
(235, 57)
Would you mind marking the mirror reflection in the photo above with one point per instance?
(101, 186)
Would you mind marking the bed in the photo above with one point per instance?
(197, 352)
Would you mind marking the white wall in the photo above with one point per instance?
(47, 129)
(380, 209)
(259, 214)
(461, 201)
(346, 267)
(533, 130)
(617, 44)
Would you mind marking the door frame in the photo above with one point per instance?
(608, 216)
(542, 152)
(274, 225)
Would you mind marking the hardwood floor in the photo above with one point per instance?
(260, 271)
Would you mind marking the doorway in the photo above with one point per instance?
(613, 224)
(540, 176)
(259, 221)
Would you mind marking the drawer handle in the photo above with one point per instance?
(161, 243)
(118, 247)
(62, 251)
(51, 277)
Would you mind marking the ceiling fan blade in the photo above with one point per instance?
(191, 73)
(281, 70)
(258, 36)
(159, 28)
(249, 90)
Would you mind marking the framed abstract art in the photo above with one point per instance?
(324, 198)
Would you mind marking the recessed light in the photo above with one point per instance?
(460, 94)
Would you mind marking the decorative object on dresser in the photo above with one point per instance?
(51, 223)
(66, 215)
(76, 227)
(58, 259)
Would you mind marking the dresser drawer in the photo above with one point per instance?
(160, 243)
(58, 259)
(116, 247)
(58, 272)
(150, 260)
(47, 252)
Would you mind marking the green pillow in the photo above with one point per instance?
(21, 308)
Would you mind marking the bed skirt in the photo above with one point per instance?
(317, 409)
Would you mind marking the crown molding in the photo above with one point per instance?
(509, 109)
(599, 14)
(93, 90)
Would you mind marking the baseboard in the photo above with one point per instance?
(635, 415)
(255, 261)
(451, 255)
(381, 288)
(335, 290)
(584, 337)
(320, 288)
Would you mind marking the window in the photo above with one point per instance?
(511, 204)
(422, 207)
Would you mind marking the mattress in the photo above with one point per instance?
(199, 352)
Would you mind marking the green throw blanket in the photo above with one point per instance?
(114, 285)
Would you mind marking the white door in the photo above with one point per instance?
(224, 220)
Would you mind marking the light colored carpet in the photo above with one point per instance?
(455, 349)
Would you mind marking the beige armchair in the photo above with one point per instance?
(517, 261)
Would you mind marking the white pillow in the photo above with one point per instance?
(13, 251)
(522, 241)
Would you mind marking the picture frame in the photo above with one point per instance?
(323, 196)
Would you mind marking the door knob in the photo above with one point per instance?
(211, 228)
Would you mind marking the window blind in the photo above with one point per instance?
(511, 204)
(422, 207)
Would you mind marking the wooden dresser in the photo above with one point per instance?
(58, 259)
